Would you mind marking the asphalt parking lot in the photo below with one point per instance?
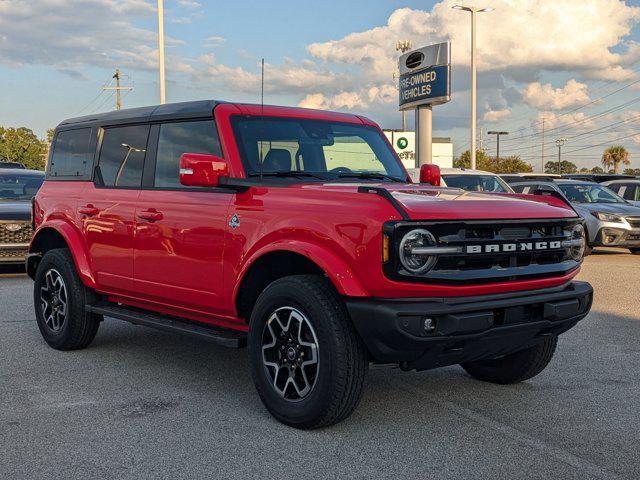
(143, 404)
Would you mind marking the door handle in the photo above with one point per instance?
(150, 215)
(88, 210)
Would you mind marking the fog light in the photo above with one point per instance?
(429, 325)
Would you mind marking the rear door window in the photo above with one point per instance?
(71, 153)
(178, 138)
(122, 156)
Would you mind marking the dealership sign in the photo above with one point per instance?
(425, 76)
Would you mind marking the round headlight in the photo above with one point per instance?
(578, 242)
(416, 262)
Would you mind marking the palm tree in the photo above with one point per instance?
(614, 156)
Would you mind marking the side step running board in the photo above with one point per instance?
(167, 323)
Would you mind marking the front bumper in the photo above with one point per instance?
(466, 329)
(13, 253)
(613, 236)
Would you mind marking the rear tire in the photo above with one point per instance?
(319, 380)
(635, 251)
(60, 298)
(515, 367)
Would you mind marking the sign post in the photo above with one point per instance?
(425, 80)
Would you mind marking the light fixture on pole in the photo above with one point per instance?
(560, 142)
(473, 11)
(497, 134)
(403, 46)
(161, 51)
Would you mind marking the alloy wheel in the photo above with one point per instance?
(54, 300)
(290, 353)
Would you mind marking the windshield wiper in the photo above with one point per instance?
(374, 175)
(287, 174)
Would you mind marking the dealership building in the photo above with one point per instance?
(404, 143)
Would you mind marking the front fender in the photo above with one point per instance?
(73, 239)
(337, 270)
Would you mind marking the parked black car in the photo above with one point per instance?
(17, 188)
(7, 164)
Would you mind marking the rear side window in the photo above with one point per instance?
(178, 138)
(122, 156)
(71, 153)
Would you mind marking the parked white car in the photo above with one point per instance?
(467, 179)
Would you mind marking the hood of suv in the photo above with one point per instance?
(11, 210)
(434, 203)
(616, 208)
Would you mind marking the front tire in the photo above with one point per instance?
(307, 361)
(515, 367)
(60, 298)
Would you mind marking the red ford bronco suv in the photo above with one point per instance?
(299, 234)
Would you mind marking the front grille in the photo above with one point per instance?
(490, 251)
(12, 254)
(634, 222)
(15, 232)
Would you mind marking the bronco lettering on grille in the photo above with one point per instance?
(514, 247)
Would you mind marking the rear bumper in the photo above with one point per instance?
(466, 329)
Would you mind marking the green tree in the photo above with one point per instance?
(597, 170)
(567, 167)
(632, 171)
(614, 156)
(22, 145)
(585, 170)
(513, 164)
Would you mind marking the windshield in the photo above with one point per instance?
(589, 193)
(14, 186)
(315, 149)
(477, 183)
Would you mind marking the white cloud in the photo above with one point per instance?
(496, 115)
(70, 35)
(545, 97)
(552, 120)
(286, 78)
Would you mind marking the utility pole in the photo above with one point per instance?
(473, 10)
(481, 140)
(403, 46)
(118, 88)
(163, 98)
(542, 171)
(497, 134)
(559, 143)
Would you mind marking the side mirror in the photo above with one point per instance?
(199, 170)
(430, 173)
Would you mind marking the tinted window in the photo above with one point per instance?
(70, 153)
(122, 156)
(178, 138)
(476, 183)
(589, 193)
(323, 149)
(16, 186)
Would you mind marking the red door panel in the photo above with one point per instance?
(107, 218)
(179, 247)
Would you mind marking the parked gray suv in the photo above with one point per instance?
(609, 219)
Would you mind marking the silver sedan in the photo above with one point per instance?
(610, 220)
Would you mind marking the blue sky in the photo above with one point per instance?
(559, 59)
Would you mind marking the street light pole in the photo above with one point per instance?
(473, 11)
(161, 50)
(559, 143)
(497, 134)
(403, 46)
